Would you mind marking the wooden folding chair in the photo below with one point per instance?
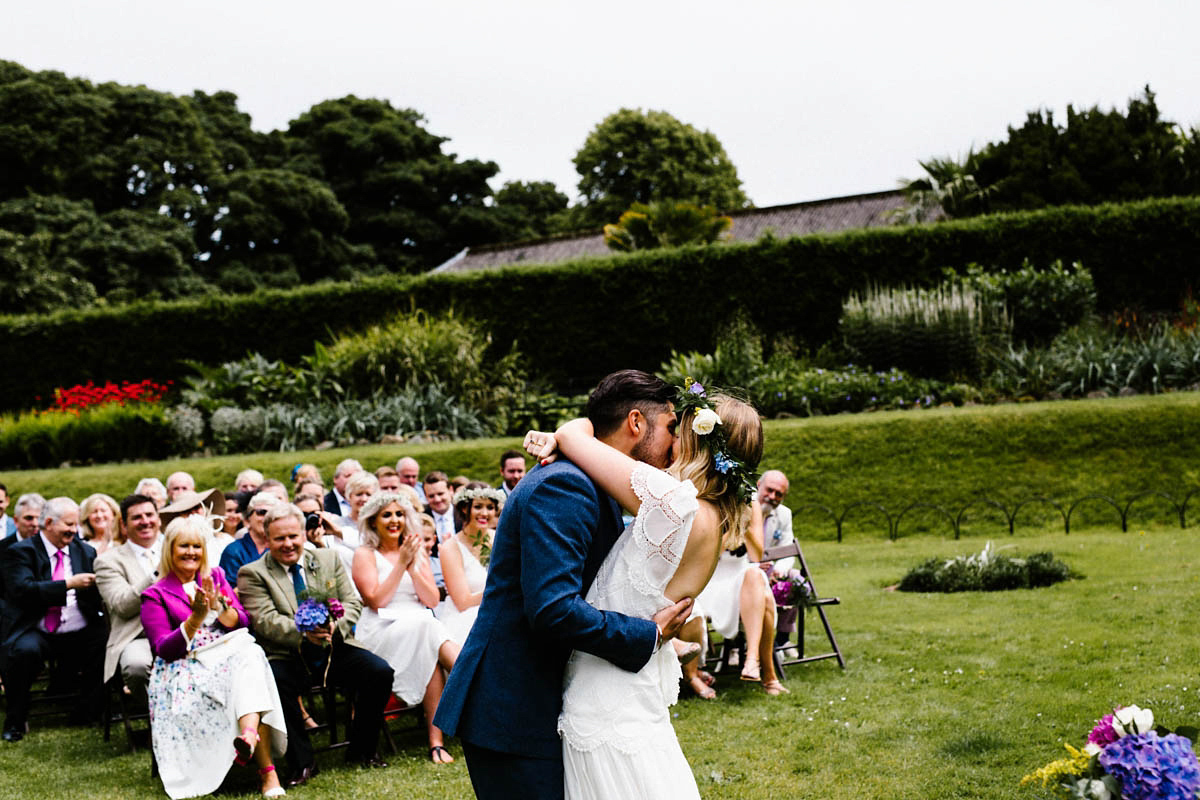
(793, 550)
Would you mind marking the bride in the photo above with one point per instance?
(615, 726)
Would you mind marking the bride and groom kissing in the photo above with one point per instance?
(562, 686)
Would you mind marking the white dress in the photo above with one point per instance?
(195, 703)
(722, 597)
(616, 729)
(405, 634)
(459, 622)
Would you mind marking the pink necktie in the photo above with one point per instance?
(54, 613)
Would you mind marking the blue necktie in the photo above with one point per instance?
(297, 580)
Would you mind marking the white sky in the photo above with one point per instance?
(810, 100)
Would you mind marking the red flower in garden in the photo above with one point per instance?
(83, 396)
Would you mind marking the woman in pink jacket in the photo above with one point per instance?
(213, 700)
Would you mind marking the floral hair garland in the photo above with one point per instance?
(495, 495)
(707, 425)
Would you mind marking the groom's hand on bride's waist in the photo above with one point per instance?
(670, 619)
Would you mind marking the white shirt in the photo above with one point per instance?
(343, 503)
(777, 531)
(148, 558)
(72, 618)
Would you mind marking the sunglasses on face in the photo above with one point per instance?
(262, 512)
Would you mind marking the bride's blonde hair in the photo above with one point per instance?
(742, 428)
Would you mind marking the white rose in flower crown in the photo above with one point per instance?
(705, 420)
(1132, 719)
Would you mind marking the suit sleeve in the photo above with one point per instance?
(265, 617)
(556, 530)
(25, 589)
(122, 598)
(164, 633)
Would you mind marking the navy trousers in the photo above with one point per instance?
(507, 776)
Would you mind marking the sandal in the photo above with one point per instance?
(750, 671)
(274, 791)
(243, 746)
(775, 688)
(707, 677)
(443, 758)
(309, 722)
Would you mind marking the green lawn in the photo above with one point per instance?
(944, 696)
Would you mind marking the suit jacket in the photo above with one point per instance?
(164, 607)
(121, 581)
(31, 590)
(505, 691)
(332, 505)
(266, 590)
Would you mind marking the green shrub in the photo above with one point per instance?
(576, 321)
(934, 333)
(104, 433)
(984, 571)
(1039, 303)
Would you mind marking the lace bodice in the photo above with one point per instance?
(603, 704)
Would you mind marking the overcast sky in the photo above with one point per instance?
(810, 100)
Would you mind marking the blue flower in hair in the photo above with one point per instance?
(723, 463)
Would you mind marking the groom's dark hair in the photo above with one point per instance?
(623, 391)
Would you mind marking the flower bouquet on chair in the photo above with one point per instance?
(792, 591)
(1126, 758)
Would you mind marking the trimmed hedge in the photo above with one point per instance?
(577, 321)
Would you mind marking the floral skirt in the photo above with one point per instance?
(195, 703)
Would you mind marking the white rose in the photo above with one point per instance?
(1092, 749)
(705, 420)
(1093, 789)
(1132, 719)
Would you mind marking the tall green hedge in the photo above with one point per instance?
(578, 320)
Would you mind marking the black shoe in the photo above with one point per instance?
(303, 776)
(370, 761)
(13, 735)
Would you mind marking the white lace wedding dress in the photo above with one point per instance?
(616, 730)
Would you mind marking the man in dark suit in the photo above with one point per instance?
(53, 612)
(335, 499)
(504, 695)
(268, 589)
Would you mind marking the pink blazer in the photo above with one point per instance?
(165, 605)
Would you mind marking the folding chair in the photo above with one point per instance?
(117, 708)
(793, 551)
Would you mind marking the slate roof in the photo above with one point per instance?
(796, 219)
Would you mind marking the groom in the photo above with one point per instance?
(504, 695)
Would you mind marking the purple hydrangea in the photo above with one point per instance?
(1153, 767)
(1103, 733)
(310, 615)
(781, 590)
(697, 388)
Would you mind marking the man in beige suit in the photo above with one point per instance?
(268, 589)
(122, 573)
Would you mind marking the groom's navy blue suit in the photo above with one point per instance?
(505, 691)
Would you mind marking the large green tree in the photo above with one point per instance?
(636, 156)
(530, 210)
(411, 202)
(1096, 156)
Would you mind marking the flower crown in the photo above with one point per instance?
(464, 494)
(707, 425)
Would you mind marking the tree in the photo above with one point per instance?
(1097, 156)
(665, 224)
(412, 203)
(636, 156)
(530, 210)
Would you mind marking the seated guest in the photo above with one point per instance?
(276, 488)
(7, 526)
(429, 537)
(233, 515)
(512, 469)
(26, 514)
(271, 589)
(178, 482)
(306, 473)
(98, 522)
(437, 494)
(409, 471)
(212, 695)
(312, 489)
(389, 479)
(154, 489)
(464, 557)
(251, 546)
(248, 480)
(53, 610)
(740, 592)
(393, 576)
(321, 527)
(122, 574)
(358, 490)
(335, 501)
